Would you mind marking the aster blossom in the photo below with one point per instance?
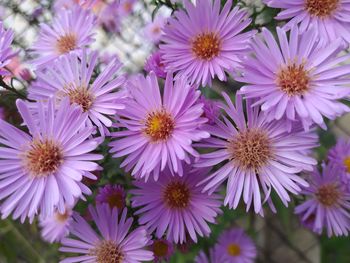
(116, 243)
(70, 77)
(328, 202)
(71, 31)
(214, 256)
(56, 226)
(114, 195)
(42, 171)
(236, 246)
(257, 156)
(175, 206)
(6, 53)
(340, 155)
(160, 129)
(330, 18)
(154, 63)
(162, 250)
(203, 42)
(297, 78)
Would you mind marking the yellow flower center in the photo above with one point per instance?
(177, 195)
(159, 125)
(81, 96)
(250, 149)
(328, 194)
(233, 250)
(293, 79)
(43, 158)
(321, 8)
(206, 46)
(347, 164)
(66, 43)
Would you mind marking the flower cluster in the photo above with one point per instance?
(168, 148)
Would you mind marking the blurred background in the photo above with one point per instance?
(129, 30)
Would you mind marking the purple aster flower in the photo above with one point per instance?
(71, 31)
(330, 18)
(126, 7)
(211, 109)
(110, 18)
(56, 226)
(114, 195)
(42, 171)
(202, 42)
(160, 129)
(154, 63)
(256, 155)
(299, 78)
(154, 30)
(328, 201)
(70, 76)
(236, 246)
(340, 155)
(176, 205)
(115, 244)
(6, 53)
(162, 250)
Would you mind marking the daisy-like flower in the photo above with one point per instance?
(42, 171)
(115, 244)
(236, 246)
(114, 195)
(203, 42)
(70, 76)
(257, 155)
(329, 17)
(299, 78)
(162, 250)
(154, 63)
(328, 202)
(153, 30)
(6, 53)
(340, 155)
(160, 129)
(175, 205)
(71, 31)
(56, 226)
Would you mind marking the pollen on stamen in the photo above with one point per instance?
(250, 149)
(347, 164)
(206, 46)
(159, 125)
(293, 79)
(107, 252)
(328, 194)
(66, 43)
(177, 195)
(321, 8)
(81, 96)
(62, 217)
(43, 158)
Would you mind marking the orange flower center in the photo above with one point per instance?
(250, 149)
(321, 8)
(233, 250)
(177, 195)
(206, 46)
(159, 125)
(107, 252)
(81, 96)
(328, 194)
(62, 217)
(160, 248)
(66, 43)
(293, 79)
(43, 158)
(347, 164)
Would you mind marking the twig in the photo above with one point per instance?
(12, 89)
